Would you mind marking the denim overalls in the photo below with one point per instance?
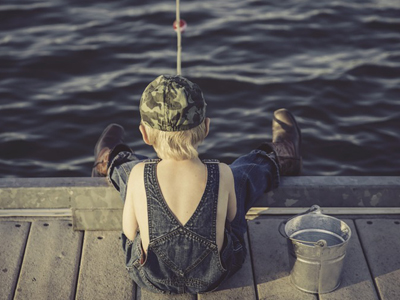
(184, 258)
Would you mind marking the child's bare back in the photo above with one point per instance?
(182, 185)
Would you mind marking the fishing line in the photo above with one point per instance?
(179, 39)
(179, 26)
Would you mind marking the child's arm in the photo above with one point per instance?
(231, 213)
(129, 220)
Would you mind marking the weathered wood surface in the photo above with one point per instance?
(147, 295)
(48, 260)
(13, 236)
(381, 242)
(102, 274)
(50, 265)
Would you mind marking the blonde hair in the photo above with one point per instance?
(176, 145)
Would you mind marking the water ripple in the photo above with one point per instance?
(69, 68)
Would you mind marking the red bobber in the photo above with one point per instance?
(182, 25)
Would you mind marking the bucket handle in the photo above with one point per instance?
(281, 229)
(314, 208)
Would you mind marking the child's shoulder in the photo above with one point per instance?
(138, 169)
(136, 172)
(226, 178)
(223, 167)
(224, 170)
(140, 165)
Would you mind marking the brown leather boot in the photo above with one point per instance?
(286, 143)
(111, 137)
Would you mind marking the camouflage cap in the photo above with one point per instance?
(172, 103)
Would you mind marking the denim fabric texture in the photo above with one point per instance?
(184, 258)
(255, 174)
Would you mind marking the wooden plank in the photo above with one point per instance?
(50, 265)
(12, 247)
(259, 211)
(144, 294)
(30, 212)
(356, 282)
(380, 239)
(98, 219)
(240, 286)
(271, 263)
(102, 273)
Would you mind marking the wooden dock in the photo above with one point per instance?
(44, 258)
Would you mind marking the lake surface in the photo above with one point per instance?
(69, 68)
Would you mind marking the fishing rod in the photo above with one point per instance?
(179, 26)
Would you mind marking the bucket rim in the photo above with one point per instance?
(314, 211)
(320, 243)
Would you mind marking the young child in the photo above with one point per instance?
(183, 218)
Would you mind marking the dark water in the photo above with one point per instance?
(69, 68)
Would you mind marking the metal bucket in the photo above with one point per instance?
(317, 246)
